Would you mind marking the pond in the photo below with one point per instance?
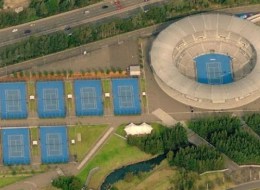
(119, 174)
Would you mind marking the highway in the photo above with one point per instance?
(73, 18)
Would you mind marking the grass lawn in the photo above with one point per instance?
(215, 181)
(142, 85)
(163, 177)
(120, 130)
(106, 85)
(35, 149)
(89, 135)
(114, 154)
(69, 90)
(31, 91)
(156, 179)
(9, 180)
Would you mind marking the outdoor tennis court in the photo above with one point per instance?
(54, 146)
(13, 100)
(214, 69)
(126, 96)
(50, 99)
(16, 146)
(88, 97)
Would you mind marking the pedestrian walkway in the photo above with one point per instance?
(95, 148)
(165, 117)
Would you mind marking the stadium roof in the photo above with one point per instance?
(189, 91)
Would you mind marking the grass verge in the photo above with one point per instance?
(114, 154)
(35, 149)
(106, 85)
(164, 177)
(4, 181)
(69, 90)
(89, 135)
(31, 91)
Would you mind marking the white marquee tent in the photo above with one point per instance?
(133, 129)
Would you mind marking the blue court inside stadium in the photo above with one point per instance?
(126, 96)
(88, 97)
(214, 69)
(13, 104)
(15, 146)
(54, 146)
(51, 101)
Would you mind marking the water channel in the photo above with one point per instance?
(119, 174)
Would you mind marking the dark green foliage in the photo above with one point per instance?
(226, 134)
(184, 180)
(198, 159)
(67, 183)
(160, 141)
(253, 121)
(1, 4)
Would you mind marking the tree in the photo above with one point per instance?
(67, 183)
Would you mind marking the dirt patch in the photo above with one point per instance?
(12, 4)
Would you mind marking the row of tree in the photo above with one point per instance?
(67, 183)
(40, 9)
(198, 159)
(226, 134)
(160, 141)
(43, 8)
(170, 140)
(253, 121)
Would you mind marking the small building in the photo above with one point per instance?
(142, 129)
(135, 70)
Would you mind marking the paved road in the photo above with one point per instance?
(72, 19)
(247, 186)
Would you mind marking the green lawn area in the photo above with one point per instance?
(142, 85)
(156, 179)
(89, 135)
(35, 150)
(69, 90)
(120, 130)
(114, 154)
(31, 91)
(9, 180)
(163, 177)
(106, 85)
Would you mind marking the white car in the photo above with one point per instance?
(86, 12)
(15, 30)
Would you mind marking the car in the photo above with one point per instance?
(67, 28)
(68, 31)
(15, 30)
(26, 32)
(86, 12)
(104, 6)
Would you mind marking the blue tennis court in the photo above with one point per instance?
(126, 96)
(16, 146)
(88, 97)
(54, 146)
(214, 69)
(13, 100)
(50, 99)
